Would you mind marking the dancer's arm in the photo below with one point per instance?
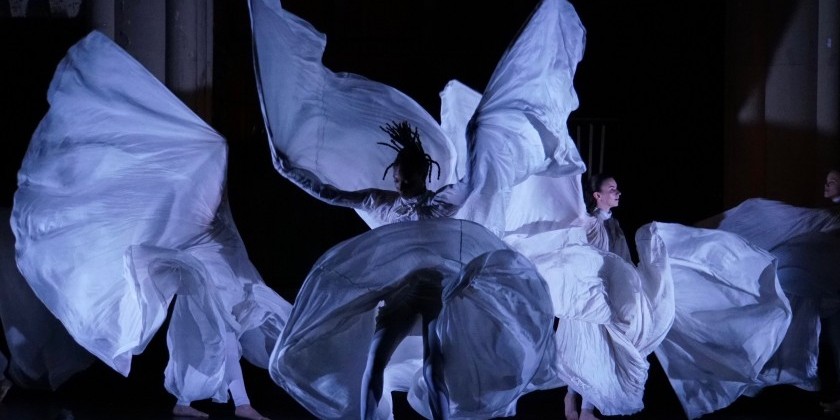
(367, 199)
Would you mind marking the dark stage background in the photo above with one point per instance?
(653, 70)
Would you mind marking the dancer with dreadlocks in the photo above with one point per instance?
(353, 323)
(411, 271)
(411, 168)
(514, 170)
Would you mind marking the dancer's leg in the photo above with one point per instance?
(397, 318)
(236, 382)
(433, 371)
(587, 411)
(570, 405)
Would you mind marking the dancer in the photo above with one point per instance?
(411, 200)
(807, 267)
(831, 321)
(512, 150)
(605, 233)
(642, 298)
(419, 271)
(831, 190)
(420, 292)
(120, 207)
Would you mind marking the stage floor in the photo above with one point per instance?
(101, 394)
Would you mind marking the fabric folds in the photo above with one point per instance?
(494, 329)
(120, 207)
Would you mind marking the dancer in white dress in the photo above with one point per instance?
(447, 274)
(604, 231)
(120, 207)
(512, 150)
(601, 195)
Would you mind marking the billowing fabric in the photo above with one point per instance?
(749, 297)
(807, 266)
(120, 206)
(316, 118)
(731, 316)
(507, 163)
(41, 352)
(612, 314)
(494, 329)
(538, 203)
(519, 127)
(805, 243)
(767, 223)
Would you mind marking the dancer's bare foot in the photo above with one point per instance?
(588, 415)
(187, 411)
(245, 411)
(570, 406)
(5, 386)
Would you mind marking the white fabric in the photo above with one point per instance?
(42, 353)
(120, 206)
(767, 223)
(749, 296)
(511, 167)
(731, 316)
(317, 119)
(494, 329)
(325, 122)
(612, 314)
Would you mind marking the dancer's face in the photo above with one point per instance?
(832, 185)
(407, 183)
(607, 197)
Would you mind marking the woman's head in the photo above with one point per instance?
(413, 165)
(409, 181)
(602, 192)
(831, 190)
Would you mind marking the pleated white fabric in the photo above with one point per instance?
(316, 118)
(739, 329)
(612, 313)
(731, 316)
(120, 207)
(494, 329)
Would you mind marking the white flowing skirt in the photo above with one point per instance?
(494, 330)
(120, 207)
(731, 317)
(612, 314)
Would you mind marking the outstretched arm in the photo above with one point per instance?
(367, 199)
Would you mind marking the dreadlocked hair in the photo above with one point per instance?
(405, 140)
